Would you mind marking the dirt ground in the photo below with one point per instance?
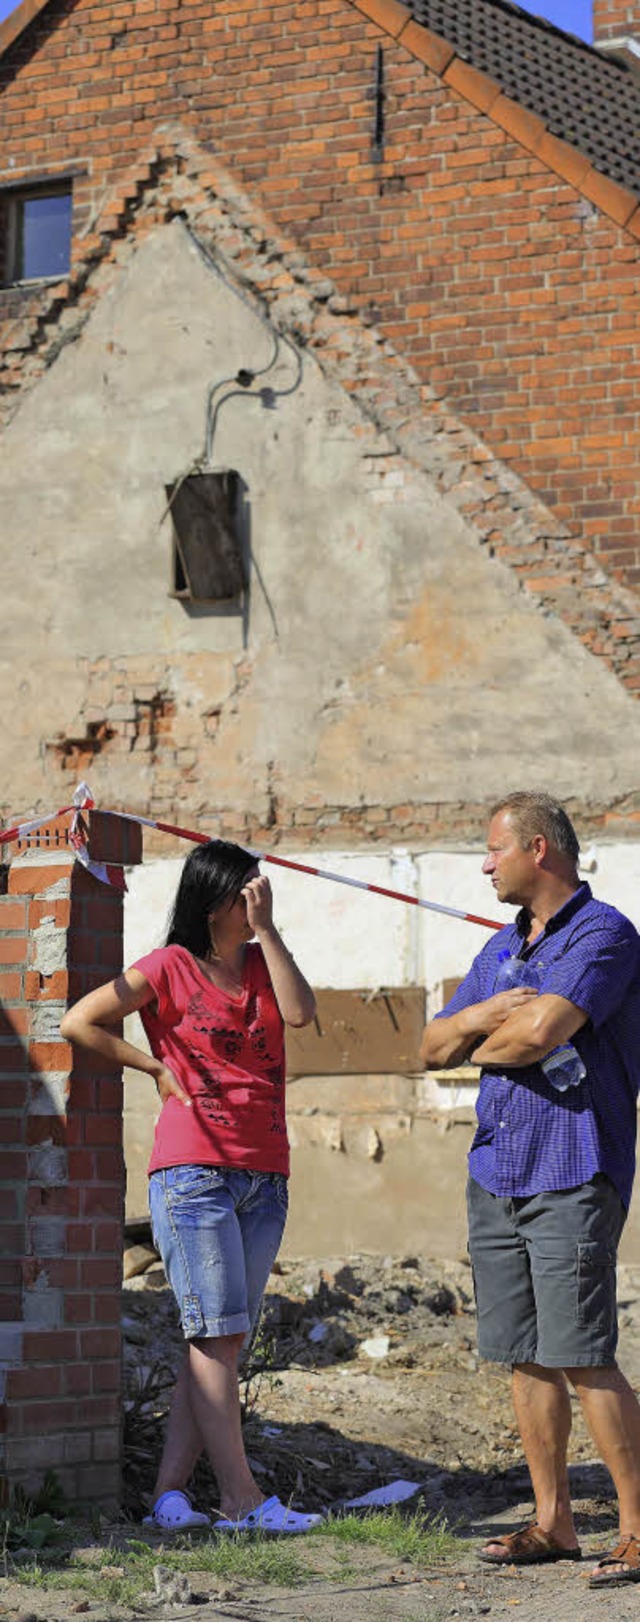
(366, 1373)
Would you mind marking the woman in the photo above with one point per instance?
(214, 1008)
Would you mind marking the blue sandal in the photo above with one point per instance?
(272, 1518)
(172, 1512)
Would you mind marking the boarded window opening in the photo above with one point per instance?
(207, 562)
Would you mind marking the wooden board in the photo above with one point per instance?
(356, 1032)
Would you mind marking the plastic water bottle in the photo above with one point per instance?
(515, 971)
(563, 1066)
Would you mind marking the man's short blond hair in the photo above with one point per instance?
(537, 813)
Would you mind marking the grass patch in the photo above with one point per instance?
(265, 1560)
(257, 1559)
(404, 1537)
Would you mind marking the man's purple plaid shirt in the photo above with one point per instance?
(530, 1137)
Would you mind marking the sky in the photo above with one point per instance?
(575, 15)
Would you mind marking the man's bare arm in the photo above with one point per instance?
(452, 1039)
(531, 1031)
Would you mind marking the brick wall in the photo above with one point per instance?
(507, 287)
(61, 1174)
(616, 19)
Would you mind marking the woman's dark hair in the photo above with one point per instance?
(212, 874)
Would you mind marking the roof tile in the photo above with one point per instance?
(525, 127)
(428, 47)
(388, 14)
(472, 83)
(584, 98)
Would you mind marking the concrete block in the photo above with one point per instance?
(317, 1131)
(45, 1019)
(47, 1235)
(48, 1166)
(11, 1337)
(352, 1095)
(43, 1305)
(49, 948)
(33, 1454)
(49, 1093)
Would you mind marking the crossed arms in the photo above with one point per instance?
(513, 1028)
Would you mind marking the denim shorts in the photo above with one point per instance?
(544, 1273)
(218, 1231)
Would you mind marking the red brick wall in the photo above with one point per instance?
(508, 289)
(61, 1179)
(616, 19)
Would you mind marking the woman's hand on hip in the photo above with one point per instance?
(169, 1087)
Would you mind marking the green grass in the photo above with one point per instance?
(270, 1561)
(405, 1537)
(258, 1559)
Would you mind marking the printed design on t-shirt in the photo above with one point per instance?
(211, 1037)
(209, 1095)
(209, 1102)
(271, 1065)
(229, 1040)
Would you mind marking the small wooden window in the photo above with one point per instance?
(207, 564)
(38, 233)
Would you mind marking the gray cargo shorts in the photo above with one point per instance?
(544, 1272)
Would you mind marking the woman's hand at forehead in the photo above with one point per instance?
(258, 896)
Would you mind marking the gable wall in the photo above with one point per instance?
(514, 296)
(285, 717)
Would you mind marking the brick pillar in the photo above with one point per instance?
(615, 19)
(61, 1171)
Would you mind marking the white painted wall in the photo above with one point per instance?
(347, 938)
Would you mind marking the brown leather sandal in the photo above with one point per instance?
(529, 1546)
(626, 1554)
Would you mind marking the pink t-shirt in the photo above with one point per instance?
(228, 1054)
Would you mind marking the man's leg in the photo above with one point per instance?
(543, 1412)
(508, 1333)
(612, 1415)
(572, 1238)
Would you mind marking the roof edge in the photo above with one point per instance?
(484, 93)
(566, 161)
(15, 24)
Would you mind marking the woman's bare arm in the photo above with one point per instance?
(88, 1025)
(293, 993)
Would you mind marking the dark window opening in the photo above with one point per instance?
(39, 233)
(207, 564)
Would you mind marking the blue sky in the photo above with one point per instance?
(572, 14)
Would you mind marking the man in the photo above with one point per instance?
(551, 1172)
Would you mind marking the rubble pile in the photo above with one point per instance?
(367, 1321)
(363, 1371)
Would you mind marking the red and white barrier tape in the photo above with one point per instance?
(319, 872)
(108, 874)
(83, 800)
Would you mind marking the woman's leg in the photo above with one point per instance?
(262, 1217)
(183, 1442)
(203, 1250)
(215, 1406)
(205, 1415)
